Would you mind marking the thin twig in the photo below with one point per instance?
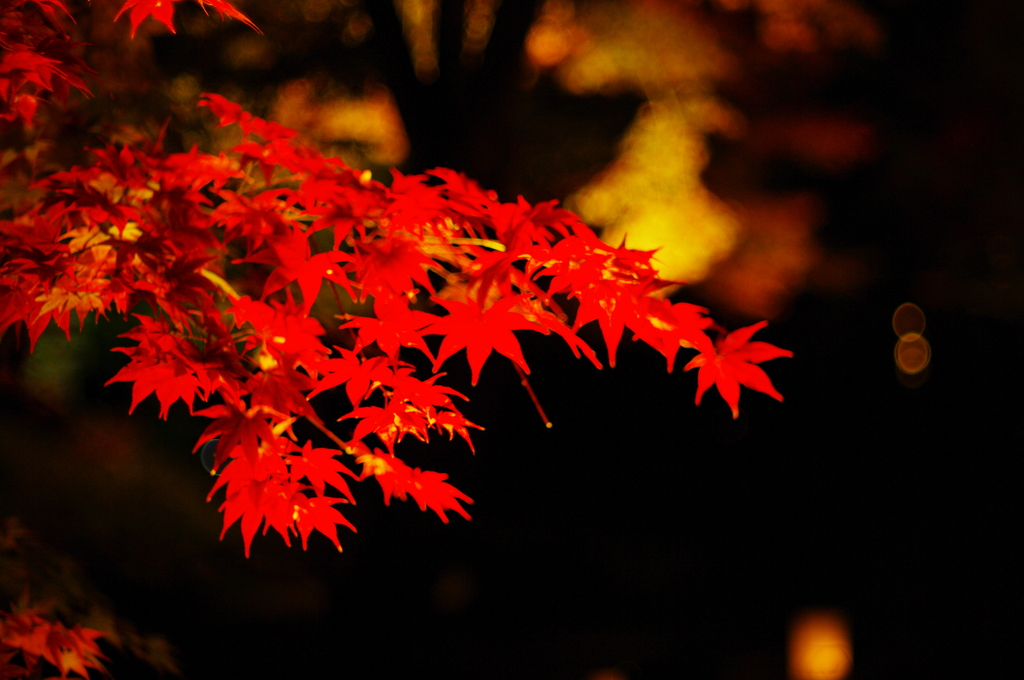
(533, 395)
(333, 437)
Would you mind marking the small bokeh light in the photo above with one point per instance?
(819, 646)
(908, 319)
(913, 353)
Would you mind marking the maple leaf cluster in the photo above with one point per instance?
(169, 238)
(37, 57)
(27, 634)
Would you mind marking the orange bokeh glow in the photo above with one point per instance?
(363, 129)
(913, 353)
(420, 25)
(908, 319)
(819, 647)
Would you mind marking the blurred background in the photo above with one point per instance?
(817, 163)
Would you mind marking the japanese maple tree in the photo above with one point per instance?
(220, 259)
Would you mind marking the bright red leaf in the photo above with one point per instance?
(427, 488)
(480, 331)
(730, 362)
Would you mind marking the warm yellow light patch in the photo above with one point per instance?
(819, 647)
(265, 361)
(81, 301)
(130, 232)
(373, 464)
(83, 238)
(419, 25)
(364, 129)
(652, 196)
(553, 34)
(647, 48)
(283, 426)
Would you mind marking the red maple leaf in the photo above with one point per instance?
(318, 513)
(291, 254)
(729, 363)
(480, 331)
(390, 423)
(607, 281)
(255, 218)
(666, 327)
(163, 11)
(267, 496)
(413, 406)
(281, 330)
(70, 650)
(163, 363)
(358, 376)
(224, 8)
(391, 266)
(395, 326)
(320, 466)
(427, 488)
(236, 428)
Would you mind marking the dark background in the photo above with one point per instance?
(640, 533)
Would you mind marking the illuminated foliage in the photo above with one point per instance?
(159, 235)
(35, 640)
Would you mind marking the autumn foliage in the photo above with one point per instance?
(220, 259)
(34, 639)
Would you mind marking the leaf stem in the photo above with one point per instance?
(333, 437)
(524, 381)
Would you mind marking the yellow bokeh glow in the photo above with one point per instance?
(651, 196)
(756, 250)
(365, 129)
(420, 25)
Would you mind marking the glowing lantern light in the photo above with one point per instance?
(819, 647)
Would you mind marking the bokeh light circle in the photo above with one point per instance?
(913, 353)
(908, 319)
